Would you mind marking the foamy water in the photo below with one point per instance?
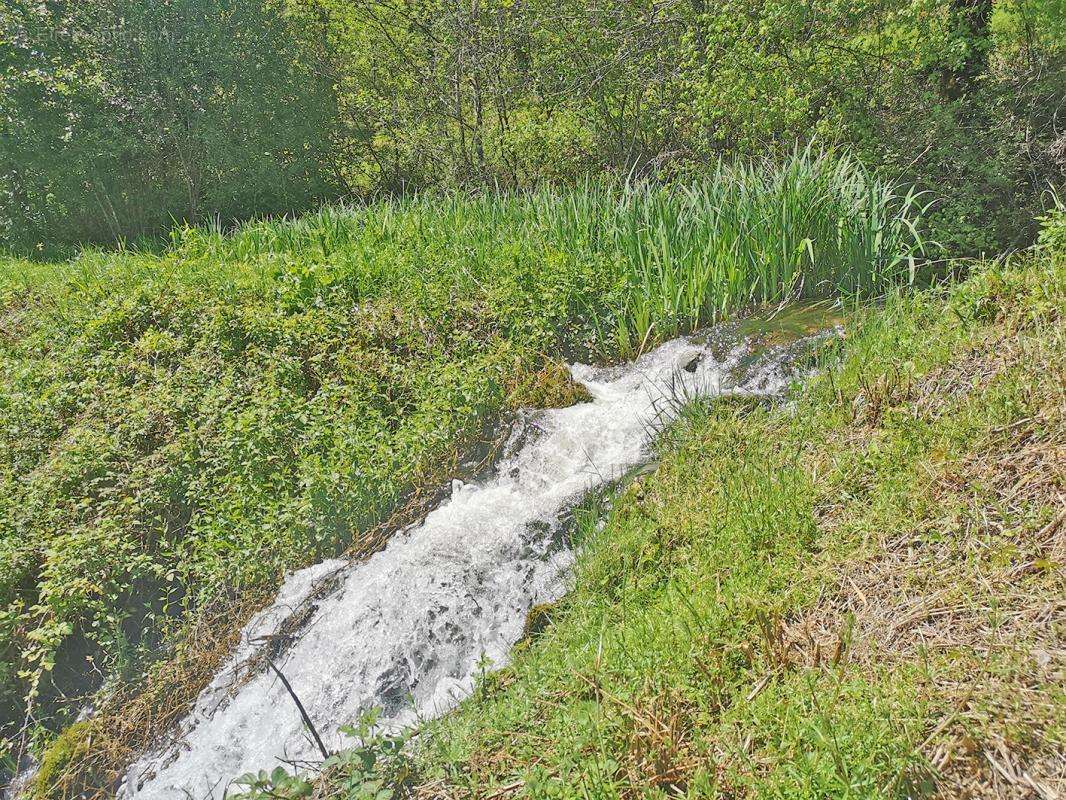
(410, 629)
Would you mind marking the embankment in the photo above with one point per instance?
(180, 428)
(858, 594)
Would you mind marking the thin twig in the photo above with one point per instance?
(300, 707)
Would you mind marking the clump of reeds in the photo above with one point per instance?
(818, 224)
(647, 261)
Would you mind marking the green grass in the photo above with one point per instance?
(733, 629)
(657, 260)
(179, 428)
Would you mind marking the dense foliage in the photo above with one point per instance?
(178, 428)
(184, 419)
(116, 116)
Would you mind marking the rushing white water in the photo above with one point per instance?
(408, 630)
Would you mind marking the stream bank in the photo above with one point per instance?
(857, 593)
(408, 631)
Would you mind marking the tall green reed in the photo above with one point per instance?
(818, 224)
(673, 256)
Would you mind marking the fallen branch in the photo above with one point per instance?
(300, 707)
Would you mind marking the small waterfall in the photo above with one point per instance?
(409, 629)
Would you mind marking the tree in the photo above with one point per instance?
(123, 116)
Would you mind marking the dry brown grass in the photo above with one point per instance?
(971, 592)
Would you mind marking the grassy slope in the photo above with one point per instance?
(858, 594)
(180, 430)
(176, 430)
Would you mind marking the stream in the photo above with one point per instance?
(409, 630)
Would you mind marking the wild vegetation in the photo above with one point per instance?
(180, 429)
(858, 593)
(273, 270)
(118, 117)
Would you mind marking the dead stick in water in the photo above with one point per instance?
(300, 707)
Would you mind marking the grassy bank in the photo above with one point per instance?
(177, 429)
(857, 594)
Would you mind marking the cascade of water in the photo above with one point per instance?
(409, 629)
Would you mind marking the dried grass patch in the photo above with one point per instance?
(973, 593)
